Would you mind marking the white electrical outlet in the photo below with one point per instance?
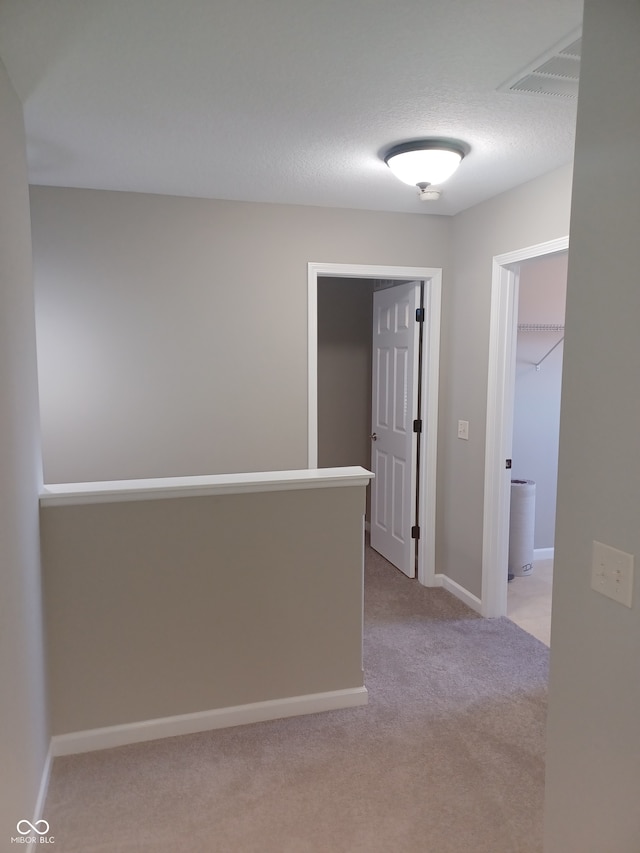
(612, 573)
(463, 430)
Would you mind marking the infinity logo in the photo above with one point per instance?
(32, 827)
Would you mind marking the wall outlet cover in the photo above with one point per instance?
(612, 573)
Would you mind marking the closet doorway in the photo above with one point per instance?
(530, 430)
(536, 429)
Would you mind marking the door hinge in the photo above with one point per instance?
(508, 465)
(415, 532)
(417, 425)
(419, 315)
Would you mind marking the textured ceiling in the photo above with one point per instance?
(284, 100)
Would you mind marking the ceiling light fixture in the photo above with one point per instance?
(425, 162)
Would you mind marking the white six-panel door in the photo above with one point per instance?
(393, 441)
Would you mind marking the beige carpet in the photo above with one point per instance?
(448, 757)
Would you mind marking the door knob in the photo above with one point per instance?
(374, 436)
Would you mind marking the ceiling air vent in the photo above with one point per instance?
(555, 73)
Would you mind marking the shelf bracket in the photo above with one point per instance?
(555, 346)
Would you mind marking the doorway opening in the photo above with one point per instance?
(427, 438)
(500, 419)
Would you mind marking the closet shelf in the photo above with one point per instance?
(543, 327)
(540, 327)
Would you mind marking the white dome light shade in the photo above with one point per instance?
(424, 162)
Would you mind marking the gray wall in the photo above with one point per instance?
(536, 416)
(172, 333)
(167, 607)
(24, 730)
(532, 213)
(593, 754)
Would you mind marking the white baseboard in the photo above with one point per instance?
(202, 721)
(44, 785)
(459, 591)
(543, 553)
(42, 796)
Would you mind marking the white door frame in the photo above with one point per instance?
(499, 436)
(428, 438)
